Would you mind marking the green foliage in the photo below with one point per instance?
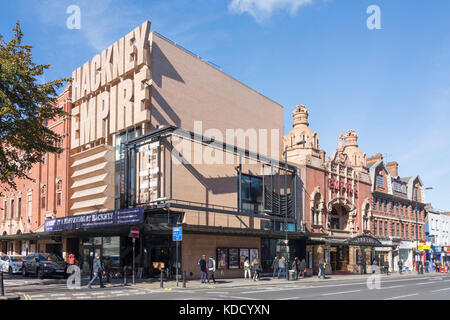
(24, 106)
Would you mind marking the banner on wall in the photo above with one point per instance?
(96, 220)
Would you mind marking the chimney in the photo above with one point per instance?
(375, 158)
(392, 168)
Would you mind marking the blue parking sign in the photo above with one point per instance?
(177, 234)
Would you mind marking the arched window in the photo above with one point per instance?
(366, 225)
(316, 215)
(59, 192)
(43, 196)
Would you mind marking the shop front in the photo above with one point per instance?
(405, 252)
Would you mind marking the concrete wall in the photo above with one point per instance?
(186, 89)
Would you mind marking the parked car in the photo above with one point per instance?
(44, 264)
(11, 264)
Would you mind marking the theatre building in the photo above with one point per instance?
(337, 198)
(159, 138)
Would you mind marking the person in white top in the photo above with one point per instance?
(247, 269)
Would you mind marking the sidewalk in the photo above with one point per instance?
(240, 282)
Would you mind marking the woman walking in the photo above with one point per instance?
(247, 269)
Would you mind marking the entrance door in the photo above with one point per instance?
(88, 254)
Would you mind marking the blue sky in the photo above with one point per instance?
(391, 85)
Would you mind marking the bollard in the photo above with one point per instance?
(184, 279)
(162, 281)
(2, 288)
(125, 276)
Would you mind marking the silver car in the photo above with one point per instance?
(11, 264)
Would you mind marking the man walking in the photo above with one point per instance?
(282, 267)
(202, 264)
(275, 266)
(296, 267)
(98, 270)
(386, 267)
(211, 269)
(400, 266)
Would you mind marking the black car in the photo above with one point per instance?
(44, 264)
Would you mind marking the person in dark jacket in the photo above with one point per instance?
(296, 267)
(386, 267)
(303, 268)
(275, 266)
(203, 268)
(400, 266)
(98, 270)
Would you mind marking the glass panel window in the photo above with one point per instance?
(251, 194)
(380, 183)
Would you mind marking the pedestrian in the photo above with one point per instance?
(71, 259)
(363, 266)
(211, 269)
(303, 268)
(324, 269)
(400, 266)
(275, 266)
(247, 269)
(257, 268)
(108, 266)
(282, 267)
(203, 268)
(320, 268)
(427, 266)
(98, 270)
(374, 265)
(296, 267)
(386, 267)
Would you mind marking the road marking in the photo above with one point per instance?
(445, 289)
(293, 298)
(420, 283)
(37, 296)
(245, 298)
(405, 296)
(62, 298)
(79, 294)
(58, 295)
(343, 292)
(390, 287)
(84, 297)
(97, 293)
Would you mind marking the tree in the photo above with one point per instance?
(25, 104)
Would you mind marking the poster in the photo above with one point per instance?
(233, 258)
(243, 254)
(222, 258)
(253, 255)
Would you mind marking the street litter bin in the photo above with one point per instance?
(291, 275)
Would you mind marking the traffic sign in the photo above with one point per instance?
(134, 232)
(177, 234)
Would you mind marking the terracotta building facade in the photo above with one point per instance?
(337, 198)
(399, 215)
(26, 209)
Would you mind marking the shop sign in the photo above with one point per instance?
(96, 220)
(341, 186)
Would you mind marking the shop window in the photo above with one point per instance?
(374, 203)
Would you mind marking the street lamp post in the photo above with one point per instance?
(286, 204)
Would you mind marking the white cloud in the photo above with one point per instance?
(262, 9)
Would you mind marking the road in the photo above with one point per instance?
(431, 287)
